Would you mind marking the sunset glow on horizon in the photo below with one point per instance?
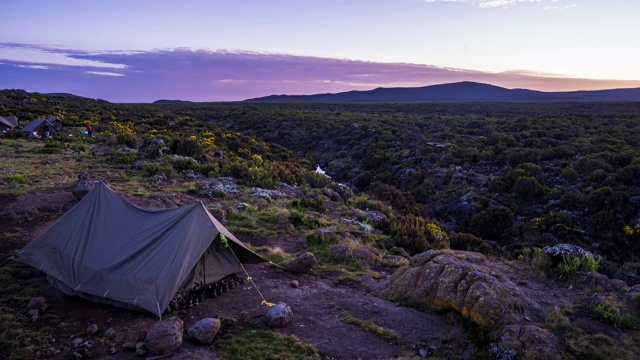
(141, 51)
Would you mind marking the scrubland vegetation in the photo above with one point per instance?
(501, 179)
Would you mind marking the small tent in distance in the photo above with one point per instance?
(8, 123)
(37, 125)
(107, 249)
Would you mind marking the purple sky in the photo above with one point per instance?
(128, 51)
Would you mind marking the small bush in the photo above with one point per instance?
(415, 234)
(259, 177)
(470, 242)
(85, 155)
(558, 322)
(123, 157)
(18, 179)
(609, 314)
(150, 170)
(570, 265)
(495, 223)
(209, 170)
(181, 164)
(313, 203)
(14, 133)
(299, 218)
(51, 147)
(317, 238)
(187, 147)
(128, 140)
(367, 204)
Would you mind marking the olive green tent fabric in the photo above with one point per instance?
(110, 250)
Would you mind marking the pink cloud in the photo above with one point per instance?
(204, 75)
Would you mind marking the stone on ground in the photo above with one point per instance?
(165, 336)
(279, 315)
(302, 263)
(204, 330)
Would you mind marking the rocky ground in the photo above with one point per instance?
(463, 296)
(318, 304)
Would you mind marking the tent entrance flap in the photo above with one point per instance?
(214, 265)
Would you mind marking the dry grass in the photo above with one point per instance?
(24, 157)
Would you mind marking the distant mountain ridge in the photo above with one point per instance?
(164, 101)
(465, 91)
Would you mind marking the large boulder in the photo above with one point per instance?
(366, 254)
(341, 250)
(204, 330)
(165, 336)
(559, 252)
(302, 263)
(461, 281)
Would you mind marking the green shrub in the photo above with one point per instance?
(14, 133)
(123, 157)
(495, 223)
(51, 147)
(260, 177)
(18, 179)
(316, 180)
(310, 203)
(234, 169)
(570, 265)
(299, 218)
(470, 242)
(365, 203)
(152, 169)
(416, 234)
(209, 169)
(317, 238)
(85, 155)
(128, 140)
(187, 147)
(181, 164)
(609, 314)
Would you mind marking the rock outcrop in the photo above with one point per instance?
(530, 342)
(481, 290)
(460, 281)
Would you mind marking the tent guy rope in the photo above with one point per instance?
(249, 278)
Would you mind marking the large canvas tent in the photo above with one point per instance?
(109, 250)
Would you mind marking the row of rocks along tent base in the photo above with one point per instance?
(108, 250)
